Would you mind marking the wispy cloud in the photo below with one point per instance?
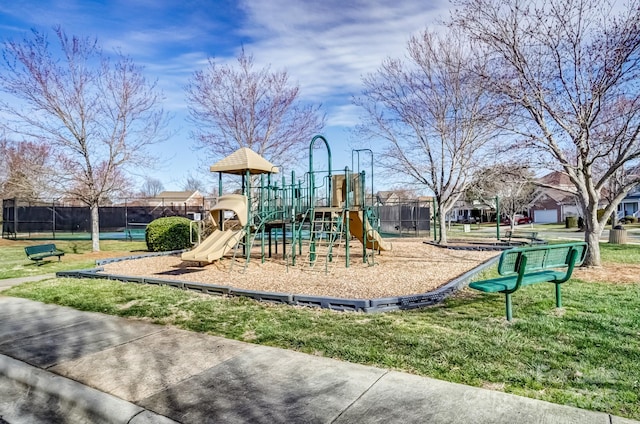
(325, 46)
(329, 46)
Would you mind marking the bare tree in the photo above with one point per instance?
(432, 117)
(511, 183)
(98, 114)
(194, 183)
(25, 170)
(234, 107)
(563, 65)
(151, 187)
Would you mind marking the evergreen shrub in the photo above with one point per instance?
(170, 233)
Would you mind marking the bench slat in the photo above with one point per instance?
(500, 284)
(540, 257)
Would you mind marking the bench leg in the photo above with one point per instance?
(558, 296)
(508, 304)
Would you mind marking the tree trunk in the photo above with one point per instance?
(593, 253)
(95, 228)
(442, 222)
(592, 232)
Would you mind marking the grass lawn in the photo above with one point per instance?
(585, 355)
(78, 255)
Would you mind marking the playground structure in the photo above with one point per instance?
(315, 216)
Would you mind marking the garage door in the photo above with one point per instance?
(545, 217)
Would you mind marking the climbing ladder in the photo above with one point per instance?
(326, 234)
(242, 251)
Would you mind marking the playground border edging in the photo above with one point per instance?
(429, 298)
(386, 304)
(474, 246)
(333, 303)
(140, 256)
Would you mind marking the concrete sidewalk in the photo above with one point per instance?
(87, 367)
(10, 282)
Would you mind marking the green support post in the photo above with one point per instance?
(262, 213)
(364, 217)
(363, 192)
(497, 218)
(300, 210)
(346, 214)
(558, 296)
(312, 188)
(247, 228)
(291, 209)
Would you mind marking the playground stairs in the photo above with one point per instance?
(326, 235)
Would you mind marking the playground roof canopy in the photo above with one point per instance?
(243, 160)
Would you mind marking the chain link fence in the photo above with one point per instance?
(127, 218)
(122, 218)
(405, 218)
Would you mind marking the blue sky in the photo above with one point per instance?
(325, 46)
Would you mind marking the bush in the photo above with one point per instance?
(171, 233)
(630, 219)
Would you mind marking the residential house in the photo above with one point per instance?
(630, 205)
(472, 211)
(179, 202)
(387, 198)
(552, 205)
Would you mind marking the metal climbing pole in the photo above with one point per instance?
(363, 194)
(312, 184)
(347, 231)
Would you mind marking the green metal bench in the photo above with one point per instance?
(39, 252)
(532, 236)
(524, 266)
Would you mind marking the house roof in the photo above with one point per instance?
(243, 160)
(385, 195)
(557, 196)
(178, 195)
(556, 179)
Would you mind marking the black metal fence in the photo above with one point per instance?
(405, 218)
(27, 218)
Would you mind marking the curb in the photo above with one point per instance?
(73, 398)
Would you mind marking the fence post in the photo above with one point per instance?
(53, 211)
(435, 222)
(416, 215)
(127, 233)
(15, 216)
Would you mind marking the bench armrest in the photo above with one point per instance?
(573, 256)
(522, 266)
